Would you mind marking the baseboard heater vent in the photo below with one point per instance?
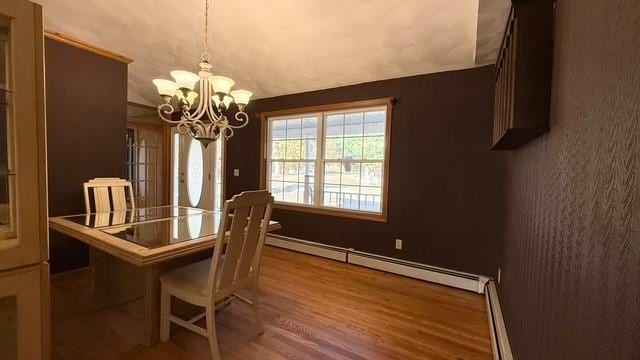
(499, 339)
(411, 269)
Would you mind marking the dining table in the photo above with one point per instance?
(131, 249)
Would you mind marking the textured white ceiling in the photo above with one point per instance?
(492, 19)
(277, 47)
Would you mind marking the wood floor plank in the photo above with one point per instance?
(313, 308)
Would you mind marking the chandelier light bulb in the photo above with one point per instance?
(165, 87)
(227, 100)
(241, 97)
(221, 84)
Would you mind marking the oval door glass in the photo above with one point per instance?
(195, 166)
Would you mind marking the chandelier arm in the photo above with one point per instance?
(241, 117)
(228, 132)
(184, 128)
(203, 99)
(215, 118)
(166, 109)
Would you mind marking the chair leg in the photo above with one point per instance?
(165, 311)
(255, 303)
(211, 332)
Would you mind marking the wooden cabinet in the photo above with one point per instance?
(24, 313)
(523, 75)
(24, 272)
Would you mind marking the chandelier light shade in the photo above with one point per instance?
(208, 112)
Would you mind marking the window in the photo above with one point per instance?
(330, 159)
(195, 164)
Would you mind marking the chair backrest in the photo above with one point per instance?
(109, 194)
(245, 218)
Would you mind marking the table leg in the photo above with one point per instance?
(151, 305)
(115, 282)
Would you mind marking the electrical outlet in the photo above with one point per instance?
(399, 244)
(499, 274)
(236, 172)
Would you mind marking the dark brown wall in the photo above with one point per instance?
(86, 125)
(444, 184)
(571, 261)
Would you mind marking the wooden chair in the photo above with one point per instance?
(214, 280)
(108, 195)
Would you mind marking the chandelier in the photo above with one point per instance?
(207, 118)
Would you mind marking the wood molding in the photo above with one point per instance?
(324, 210)
(88, 47)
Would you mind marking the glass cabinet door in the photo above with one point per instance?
(23, 183)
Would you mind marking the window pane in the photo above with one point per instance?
(350, 174)
(293, 149)
(294, 128)
(370, 199)
(290, 192)
(332, 195)
(307, 169)
(277, 190)
(353, 124)
(371, 174)
(310, 128)
(308, 149)
(334, 126)
(374, 122)
(332, 173)
(291, 171)
(278, 129)
(373, 148)
(194, 172)
(278, 149)
(353, 148)
(277, 170)
(333, 148)
(349, 197)
(305, 191)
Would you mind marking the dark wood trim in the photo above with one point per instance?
(380, 217)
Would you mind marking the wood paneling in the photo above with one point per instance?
(345, 312)
(571, 256)
(86, 107)
(445, 186)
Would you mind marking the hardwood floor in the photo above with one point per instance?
(313, 308)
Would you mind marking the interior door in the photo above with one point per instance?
(196, 179)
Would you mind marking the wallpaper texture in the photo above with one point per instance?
(571, 249)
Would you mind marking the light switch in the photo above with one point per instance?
(236, 172)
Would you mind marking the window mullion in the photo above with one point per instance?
(318, 200)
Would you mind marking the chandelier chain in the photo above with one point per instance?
(205, 54)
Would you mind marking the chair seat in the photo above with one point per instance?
(191, 279)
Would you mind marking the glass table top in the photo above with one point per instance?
(155, 234)
(99, 220)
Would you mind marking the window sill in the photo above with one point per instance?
(352, 214)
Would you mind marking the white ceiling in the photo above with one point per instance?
(277, 47)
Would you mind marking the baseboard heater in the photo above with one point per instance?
(499, 339)
(457, 279)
